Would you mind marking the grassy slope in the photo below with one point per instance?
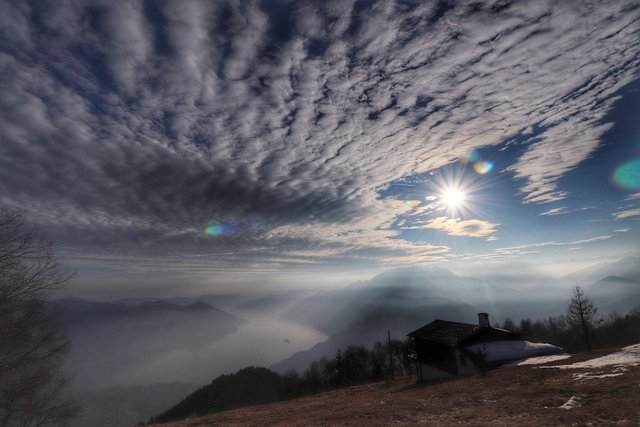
(509, 396)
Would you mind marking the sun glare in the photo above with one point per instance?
(453, 197)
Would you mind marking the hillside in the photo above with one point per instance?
(601, 391)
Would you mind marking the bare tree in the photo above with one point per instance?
(33, 343)
(582, 313)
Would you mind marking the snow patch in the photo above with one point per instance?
(540, 360)
(501, 351)
(617, 371)
(590, 376)
(628, 356)
(620, 360)
(571, 403)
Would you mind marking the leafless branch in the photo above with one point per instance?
(33, 342)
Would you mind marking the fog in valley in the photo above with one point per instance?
(133, 359)
(165, 348)
(167, 345)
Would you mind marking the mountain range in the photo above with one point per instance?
(113, 342)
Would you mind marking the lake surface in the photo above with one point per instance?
(260, 342)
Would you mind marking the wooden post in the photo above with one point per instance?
(390, 356)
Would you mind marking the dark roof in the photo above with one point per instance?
(445, 332)
(454, 333)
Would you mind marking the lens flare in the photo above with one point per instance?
(627, 176)
(482, 167)
(215, 228)
(473, 156)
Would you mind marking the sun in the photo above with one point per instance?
(455, 193)
(453, 197)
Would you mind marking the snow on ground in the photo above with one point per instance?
(571, 403)
(540, 360)
(620, 361)
(617, 371)
(628, 356)
(500, 351)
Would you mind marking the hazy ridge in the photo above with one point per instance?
(181, 331)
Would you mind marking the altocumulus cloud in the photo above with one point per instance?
(466, 228)
(145, 121)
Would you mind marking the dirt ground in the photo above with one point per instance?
(515, 396)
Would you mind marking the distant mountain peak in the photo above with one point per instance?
(410, 276)
(158, 305)
(199, 305)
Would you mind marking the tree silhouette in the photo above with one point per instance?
(33, 343)
(582, 313)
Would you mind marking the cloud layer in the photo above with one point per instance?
(466, 228)
(130, 126)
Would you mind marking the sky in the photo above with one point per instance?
(172, 147)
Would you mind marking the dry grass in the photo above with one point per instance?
(517, 396)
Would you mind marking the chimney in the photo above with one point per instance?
(483, 320)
